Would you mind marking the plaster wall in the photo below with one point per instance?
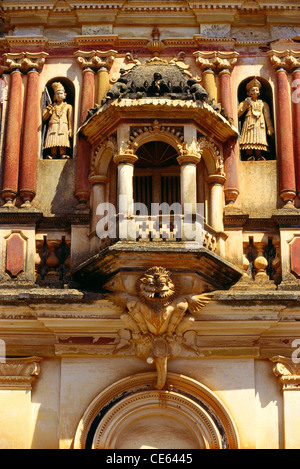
(246, 387)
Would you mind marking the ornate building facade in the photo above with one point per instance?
(150, 224)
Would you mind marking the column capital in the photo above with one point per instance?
(216, 179)
(206, 59)
(19, 373)
(25, 61)
(127, 157)
(95, 60)
(288, 372)
(189, 153)
(218, 61)
(287, 60)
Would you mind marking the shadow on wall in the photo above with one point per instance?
(56, 186)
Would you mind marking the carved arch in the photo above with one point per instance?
(211, 155)
(187, 404)
(102, 156)
(168, 134)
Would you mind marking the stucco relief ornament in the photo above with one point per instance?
(158, 317)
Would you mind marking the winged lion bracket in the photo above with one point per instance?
(158, 316)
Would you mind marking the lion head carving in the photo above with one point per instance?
(156, 286)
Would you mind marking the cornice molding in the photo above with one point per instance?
(250, 6)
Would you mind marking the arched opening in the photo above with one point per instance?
(131, 414)
(266, 96)
(67, 115)
(156, 174)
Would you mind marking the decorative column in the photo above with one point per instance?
(216, 183)
(190, 156)
(82, 186)
(296, 116)
(225, 62)
(288, 372)
(206, 62)
(125, 163)
(98, 197)
(13, 129)
(90, 62)
(33, 64)
(105, 61)
(286, 165)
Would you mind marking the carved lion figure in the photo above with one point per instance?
(156, 285)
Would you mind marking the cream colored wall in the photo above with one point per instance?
(259, 188)
(15, 408)
(246, 387)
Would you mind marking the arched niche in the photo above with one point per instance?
(48, 97)
(211, 164)
(131, 414)
(266, 95)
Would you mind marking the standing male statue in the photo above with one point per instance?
(257, 122)
(60, 127)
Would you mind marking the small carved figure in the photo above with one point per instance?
(60, 127)
(118, 88)
(196, 90)
(158, 86)
(257, 122)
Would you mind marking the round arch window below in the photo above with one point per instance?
(131, 414)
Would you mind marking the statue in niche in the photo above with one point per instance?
(60, 126)
(257, 124)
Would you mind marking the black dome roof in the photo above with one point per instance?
(156, 80)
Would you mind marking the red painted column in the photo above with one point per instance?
(296, 123)
(12, 139)
(82, 188)
(286, 166)
(231, 156)
(28, 167)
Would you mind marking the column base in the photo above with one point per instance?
(8, 195)
(288, 197)
(231, 195)
(27, 196)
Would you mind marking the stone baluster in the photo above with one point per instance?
(11, 161)
(32, 63)
(286, 166)
(261, 263)
(52, 261)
